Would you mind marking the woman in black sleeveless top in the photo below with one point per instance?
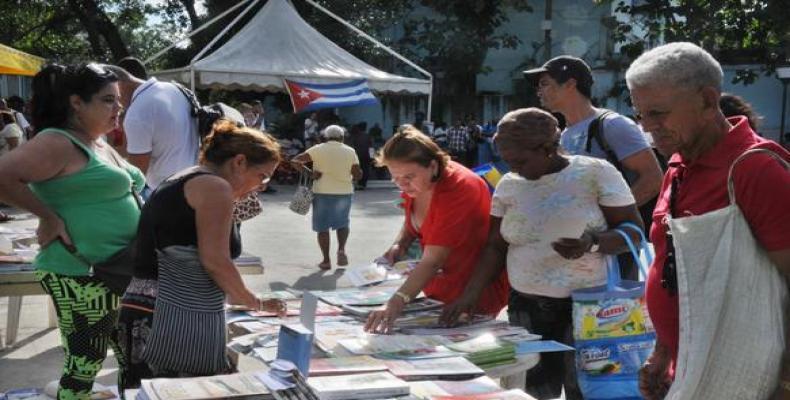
(172, 320)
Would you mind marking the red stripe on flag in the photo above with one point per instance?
(301, 97)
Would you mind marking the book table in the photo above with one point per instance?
(18, 280)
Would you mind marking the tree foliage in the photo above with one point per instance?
(80, 30)
(734, 31)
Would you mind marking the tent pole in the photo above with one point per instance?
(224, 31)
(377, 43)
(430, 100)
(195, 32)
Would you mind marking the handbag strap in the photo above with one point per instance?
(643, 245)
(632, 248)
(304, 179)
(731, 183)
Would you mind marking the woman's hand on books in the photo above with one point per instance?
(382, 321)
(455, 311)
(273, 305)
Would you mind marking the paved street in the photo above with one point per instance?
(280, 237)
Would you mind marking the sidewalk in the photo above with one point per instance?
(283, 239)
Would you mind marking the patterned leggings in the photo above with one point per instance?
(87, 313)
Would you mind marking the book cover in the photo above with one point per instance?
(295, 344)
(456, 368)
(513, 394)
(374, 344)
(376, 295)
(416, 305)
(231, 386)
(365, 275)
(374, 385)
(427, 390)
(295, 308)
(328, 334)
(345, 365)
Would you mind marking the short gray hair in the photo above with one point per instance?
(334, 132)
(680, 64)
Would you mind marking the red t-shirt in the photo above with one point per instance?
(458, 218)
(762, 191)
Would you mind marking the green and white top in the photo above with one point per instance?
(97, 206)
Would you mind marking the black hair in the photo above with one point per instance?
(54, 84)
(134, 66)
(582, 87)
(16, 102)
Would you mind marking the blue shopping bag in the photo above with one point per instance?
(612, 331)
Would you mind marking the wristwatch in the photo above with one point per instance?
(595, 244)
(405, 297)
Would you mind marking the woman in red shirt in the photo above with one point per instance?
(447, 207)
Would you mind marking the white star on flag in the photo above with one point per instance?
(304, 94)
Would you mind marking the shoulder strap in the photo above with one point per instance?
(191, 97)
(595, 131)
(752, 151)
(71, 137)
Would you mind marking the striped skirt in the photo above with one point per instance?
(188, 334)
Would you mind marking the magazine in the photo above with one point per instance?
(427, 390)
(455, 368)
(513, 394)
(370, 274)
(375, 344)
(371, 296)
(345, 365)
(328, 334)
(416, 305)
(231, 386)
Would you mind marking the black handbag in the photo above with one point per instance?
(115, 272)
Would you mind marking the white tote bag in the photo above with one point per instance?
(732, 301)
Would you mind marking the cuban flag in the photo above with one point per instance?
(313, 96)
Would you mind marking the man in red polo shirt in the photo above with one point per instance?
(675, 90)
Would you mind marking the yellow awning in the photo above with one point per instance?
(15, 62)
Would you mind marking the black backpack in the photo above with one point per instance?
(207, 115)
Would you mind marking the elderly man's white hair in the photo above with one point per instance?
(334, 132)
(680, 64)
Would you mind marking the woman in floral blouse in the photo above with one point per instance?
(550, 225)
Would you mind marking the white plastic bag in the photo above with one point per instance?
(303, 197)
(732, 301)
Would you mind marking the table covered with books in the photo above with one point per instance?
(18, 248)
(324, 338)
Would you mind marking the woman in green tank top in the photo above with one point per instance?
(79, 188)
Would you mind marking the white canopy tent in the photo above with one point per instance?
(276, 44)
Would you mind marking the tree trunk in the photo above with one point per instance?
(189, 6)
(98, 25)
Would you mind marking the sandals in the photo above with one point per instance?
(342, 259)
(325, 265)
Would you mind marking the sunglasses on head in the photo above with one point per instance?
(98, 69)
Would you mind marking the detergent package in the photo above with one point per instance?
(609, 368)
(610, 317)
